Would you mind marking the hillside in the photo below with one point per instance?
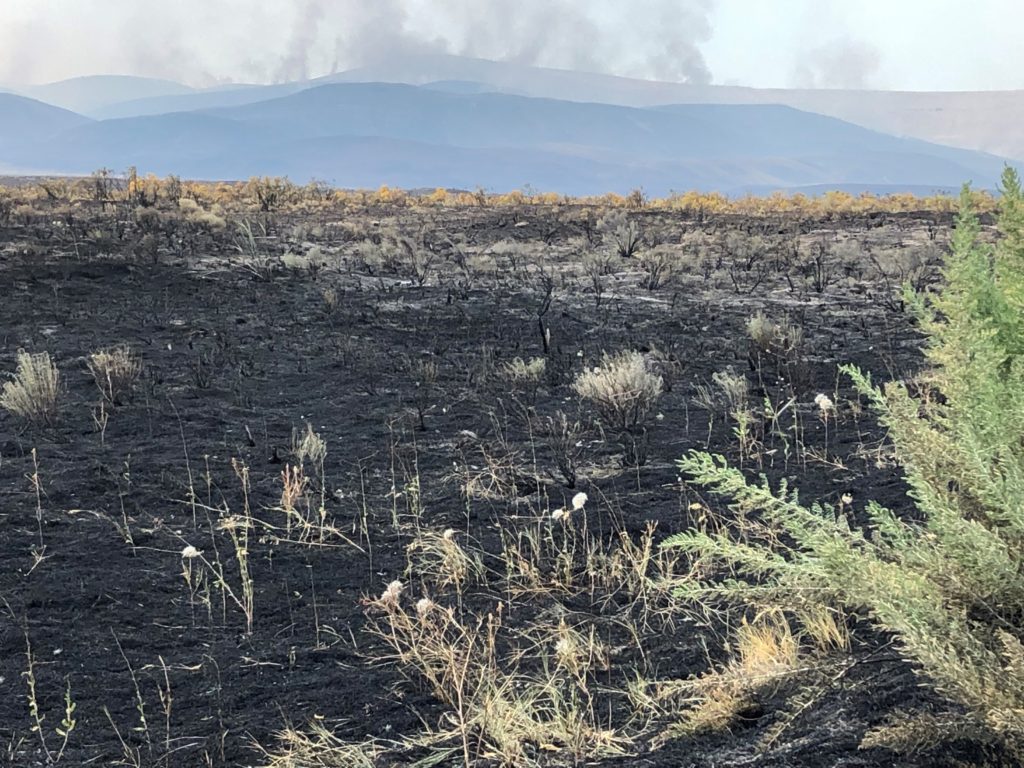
(21, 117)
(984, 121)
(92, 94)
(368, 134)
(987, 121)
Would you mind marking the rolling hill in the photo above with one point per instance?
(22, 117)
(984, 121)
(358, 134)
(92, 94)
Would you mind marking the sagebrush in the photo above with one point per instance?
(947, 580)
(34, 392)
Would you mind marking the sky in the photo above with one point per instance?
(885, 44)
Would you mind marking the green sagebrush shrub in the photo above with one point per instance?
(947, 577)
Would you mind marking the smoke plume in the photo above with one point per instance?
(843, 63)
(203, 42)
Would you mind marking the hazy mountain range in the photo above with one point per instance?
(457, 122)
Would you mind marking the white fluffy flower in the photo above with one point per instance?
(424, 606)
(579, 500)
(190, 552)
(449, 533)
(558, 514)
(824, 402)
(565, 648)
(389, 597)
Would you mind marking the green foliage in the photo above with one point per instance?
(948, 583)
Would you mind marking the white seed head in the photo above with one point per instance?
(824, 402)
(579, 500)
(389, 597)
(190, 552)
(449, 533)
(565, 648)
(424, 606)
(558, 514)
(847, 499)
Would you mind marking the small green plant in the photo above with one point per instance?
(948, 583)
(68, 721)
(34, 392)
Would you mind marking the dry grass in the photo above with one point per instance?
(765, 652)
(317, 747)
(440, 559)
(779, 338)
(497, 710)
(115, 372)
(525, 376)
(34, 392)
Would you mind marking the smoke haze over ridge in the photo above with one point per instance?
(906, 45)
(204, 43)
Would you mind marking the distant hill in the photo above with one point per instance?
(985, 121)
(22, 117)
(226, 96)
(367, 134)
(988, 121)
(91, 95)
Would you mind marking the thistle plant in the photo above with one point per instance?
(948, 583)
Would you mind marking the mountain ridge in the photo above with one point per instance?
(409, 136)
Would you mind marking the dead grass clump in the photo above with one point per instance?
(319, 748)
(115, 372)
(564, 439)
(765, 652)
(768, 335)
(33, 393)
(622, 389)
(777, 345)
(525, 376)
(440, 559)
(498, 710)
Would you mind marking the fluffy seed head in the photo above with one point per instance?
(389, 597)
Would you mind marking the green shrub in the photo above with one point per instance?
(949, 583)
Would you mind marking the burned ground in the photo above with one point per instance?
(389, 333)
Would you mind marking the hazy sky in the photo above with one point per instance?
(894, 44)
